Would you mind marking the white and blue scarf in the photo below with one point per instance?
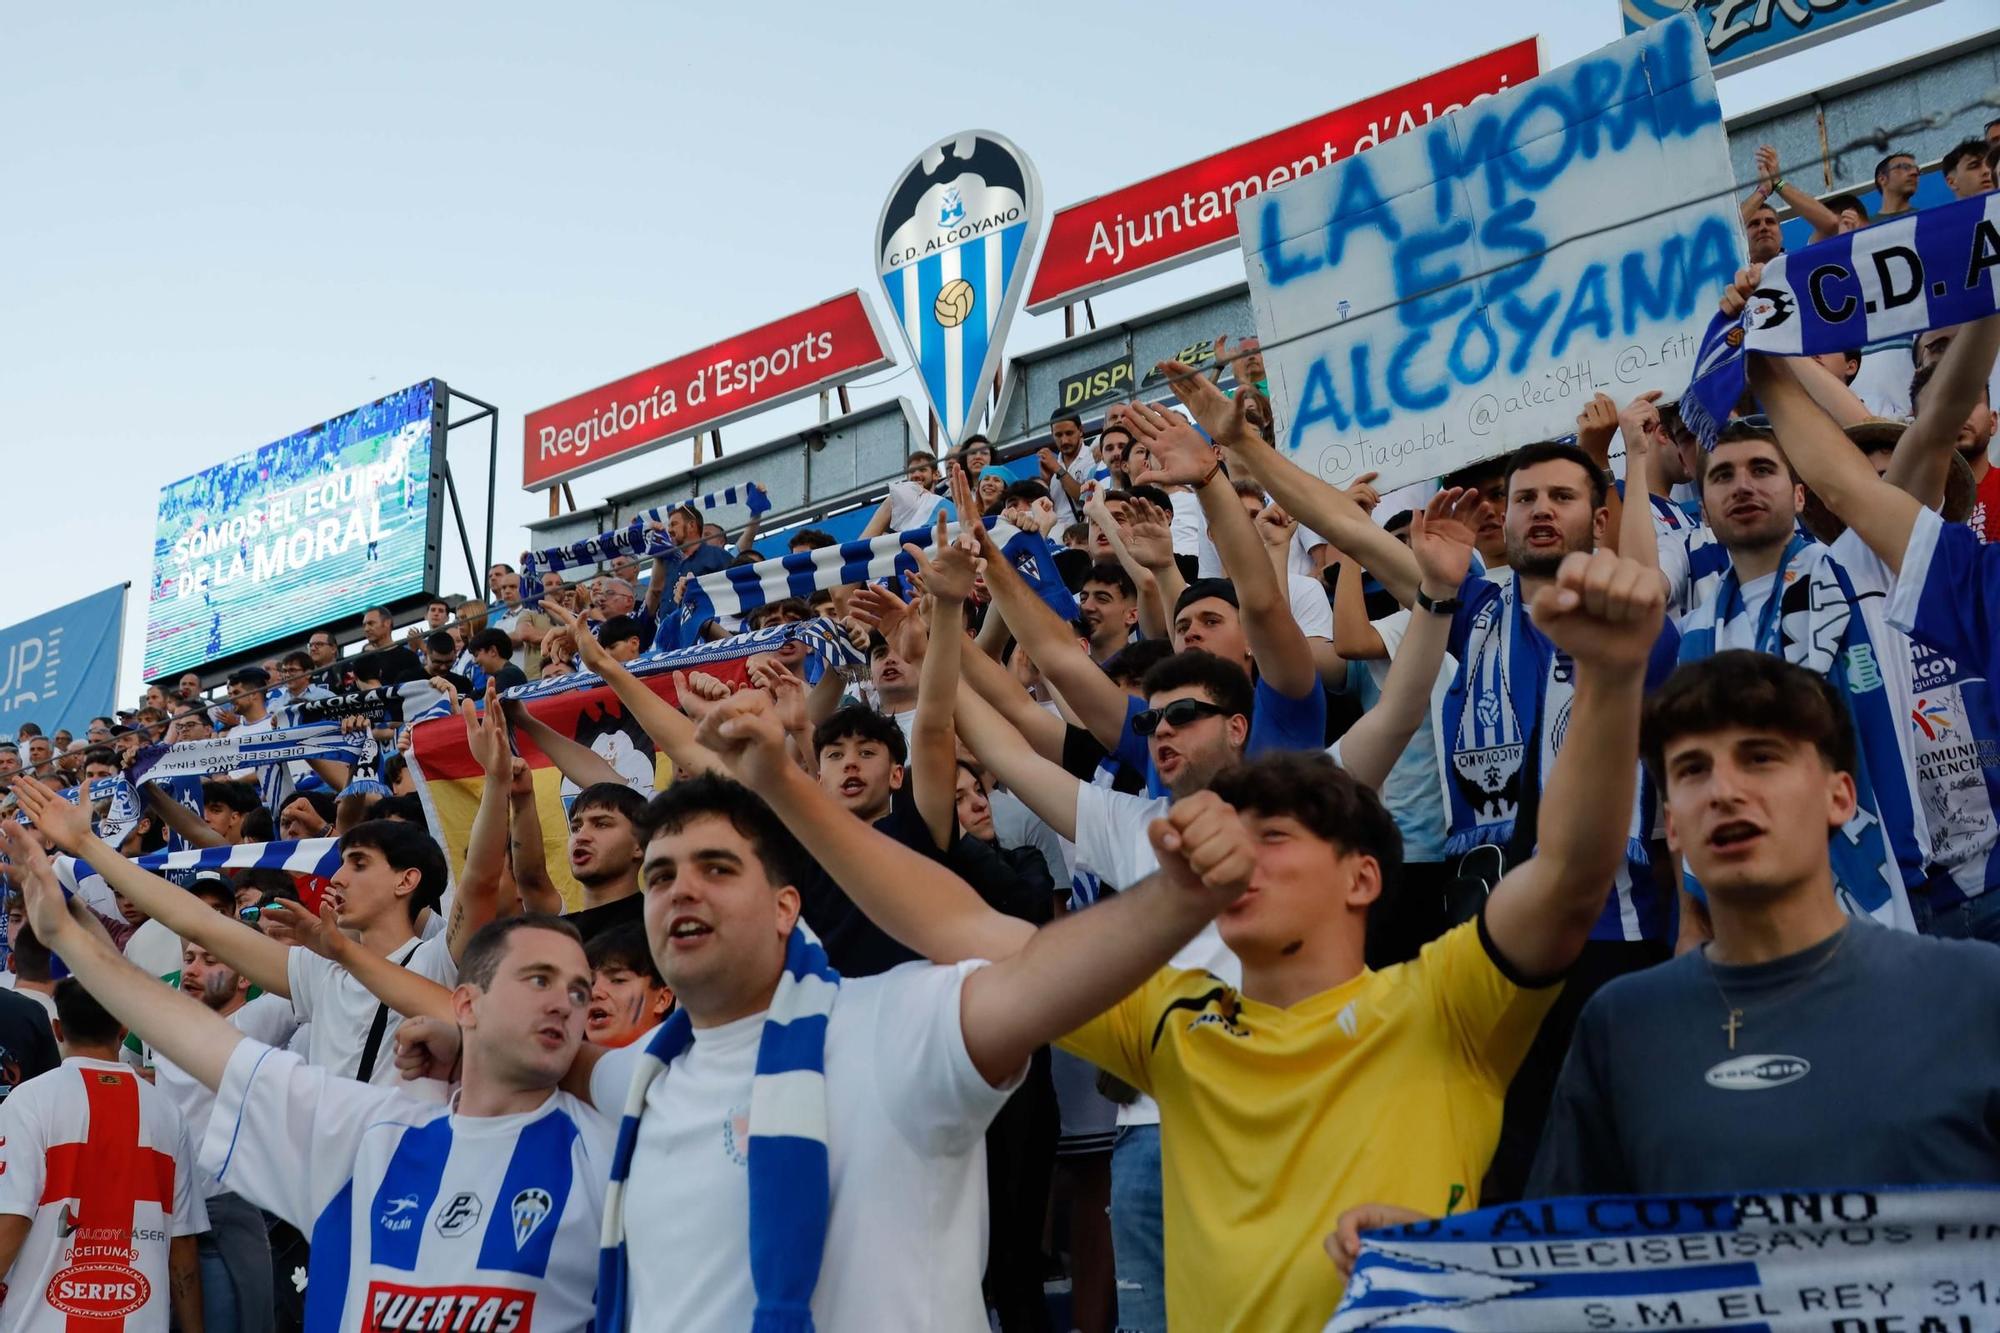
(790, 1194)
(1510, 679)
(1916, 271)
(736, 591)
(1813, 619)
(304, 856)
(223, 754)
(639, 538)
(393, 705)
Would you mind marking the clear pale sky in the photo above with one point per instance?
(225, 223)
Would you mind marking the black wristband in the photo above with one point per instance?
(1444, 606)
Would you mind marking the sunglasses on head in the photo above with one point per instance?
(1179, 713)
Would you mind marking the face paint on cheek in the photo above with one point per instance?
(636, 1008)
(1293, 948)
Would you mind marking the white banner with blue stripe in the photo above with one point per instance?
(1895, 279)
(952, 249)
(743, 588)
(226, 754)
(1825, 1260)
(638, 538)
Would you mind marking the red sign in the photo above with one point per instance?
(785, 359)
(1189, 213)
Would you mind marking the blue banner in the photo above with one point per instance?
(60, 669)
(1741, 34)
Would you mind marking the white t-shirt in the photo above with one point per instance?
(154, 949)
(911, 506)
(419, 1218)
(906, 1113)
(43, 998)
(1311, 607)
(268, 1019)
(1189, 526)
(1083, 467)
(102, 1163)
(341, 1011)
(1111, 842)
(1298, 557)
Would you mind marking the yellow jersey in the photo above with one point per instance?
(1386, 1089)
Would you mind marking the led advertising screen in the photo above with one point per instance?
(312, 529)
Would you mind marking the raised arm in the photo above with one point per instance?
(245, 949)
(948, 569)
(1922, 458)
(1605, 611)
(1074, 969)
(178, 1026)
(476, 900)
(1097, 699)
(1595, 426)
(1153, 609)
(1771, 181)
(1828, 462)
(410, 994)
(1151, 542)
(1180, 456)
(1441, 537)
(1354, 637)
(191, 827)
(747, 539)
(999, 687)
(670, 730)
(526, 851)
(1639, 424)
(1323, 508)
(910, 895)
(579, 763)
(1044, 786)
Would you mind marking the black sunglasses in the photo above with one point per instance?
(1180, 713)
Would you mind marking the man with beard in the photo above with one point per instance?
(236, 1251)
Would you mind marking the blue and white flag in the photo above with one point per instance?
(1773, 1262)
(302, 856)
(736, 591)
(952, 249)
(225, 754)
(823, 638)
(1917, 271)
(639, 538)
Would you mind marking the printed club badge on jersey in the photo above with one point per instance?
(952, 249)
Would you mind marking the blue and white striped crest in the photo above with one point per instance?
(953, 249)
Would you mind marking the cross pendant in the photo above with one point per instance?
(1731, 1026)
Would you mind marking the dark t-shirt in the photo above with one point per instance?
(594, 921)
(1872, 1058)
(508, 676)
(27, 1046)
(856, 946)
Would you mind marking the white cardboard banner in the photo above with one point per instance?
(1464, 289)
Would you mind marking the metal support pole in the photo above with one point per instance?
(1069, 321)
(1089, 313)
(458, 513)
(845, 406)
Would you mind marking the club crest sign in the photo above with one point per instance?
(953, 248)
